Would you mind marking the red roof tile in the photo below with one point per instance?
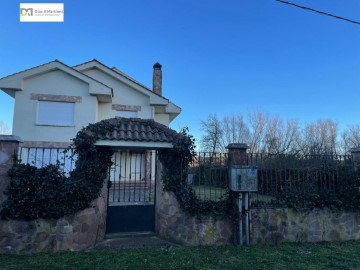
(139, 130)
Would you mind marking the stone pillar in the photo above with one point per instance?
(237, 154)
(355, 154)
(237, 157)
(9, 146)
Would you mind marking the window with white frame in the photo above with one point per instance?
(55, 113)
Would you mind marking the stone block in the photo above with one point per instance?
(64, 228)
(6, 239)
(45, 246)
(5, 157)
(22, 227)
(64, 241)
(274, 238)
(334, 236)
(41, 237)
(46, 226)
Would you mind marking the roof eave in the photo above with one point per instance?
(134, 144)
(103, 98)
(172, 116)
(10, 91)
(15, 81)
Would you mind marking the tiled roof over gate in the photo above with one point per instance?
(139, 130)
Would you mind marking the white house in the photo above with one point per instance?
(54, 101)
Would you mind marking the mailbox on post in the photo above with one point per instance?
(243, 179)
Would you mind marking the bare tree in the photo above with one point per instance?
(265, 133)
(235, 130)
(319, 138)
(259, 130)
(211, 140)
(258, 123)
(281, 138)
(350, 138)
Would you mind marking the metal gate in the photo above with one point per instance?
(131, 192)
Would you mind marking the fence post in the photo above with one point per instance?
(9, 147)
(237, 157)
(237, 154)
(355, 154)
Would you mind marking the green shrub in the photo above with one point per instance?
(175, 172)
(344, 194)
(47, 193)
(34, 193)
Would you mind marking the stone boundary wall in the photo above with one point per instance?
(87, 227)
(172, 223)
(268, 225)
(74, 232)
(275, 225)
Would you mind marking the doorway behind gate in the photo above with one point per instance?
(131, 191)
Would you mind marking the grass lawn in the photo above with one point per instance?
(345, 255)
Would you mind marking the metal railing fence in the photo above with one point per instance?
(40, 157)
(278, 174)
(208, 175)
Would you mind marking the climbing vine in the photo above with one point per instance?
(175, 163)
(47, 193)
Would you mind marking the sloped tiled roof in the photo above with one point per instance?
(139, 130)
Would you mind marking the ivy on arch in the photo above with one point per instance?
(175, 163)
(47, 193)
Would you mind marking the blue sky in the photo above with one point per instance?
(218, 56)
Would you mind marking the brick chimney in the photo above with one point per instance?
(157, 79)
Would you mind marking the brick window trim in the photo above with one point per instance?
(128, 108)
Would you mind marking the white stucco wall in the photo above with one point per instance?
(123, 95)
(162, 118)
(52, 83)
(89, 110)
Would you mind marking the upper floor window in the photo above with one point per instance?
(55, 113)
